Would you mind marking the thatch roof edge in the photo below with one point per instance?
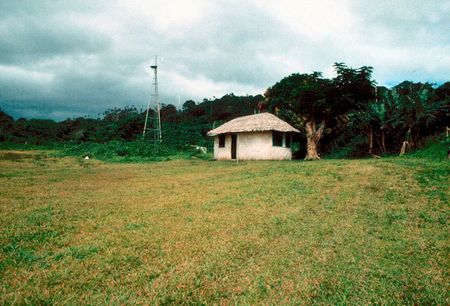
(254, 123)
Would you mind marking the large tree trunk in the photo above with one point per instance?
(313, 136)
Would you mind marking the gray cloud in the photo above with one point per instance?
(31, 39)
(60, 59)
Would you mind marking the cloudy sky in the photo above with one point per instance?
(61, 59)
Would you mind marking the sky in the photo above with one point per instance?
(65, 59)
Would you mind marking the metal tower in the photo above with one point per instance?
(155, 101)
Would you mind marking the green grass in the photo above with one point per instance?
(194, 231)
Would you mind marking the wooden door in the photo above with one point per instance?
(233, 146)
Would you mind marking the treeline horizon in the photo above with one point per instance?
(180, 127)
(178, 107)
(380, 122)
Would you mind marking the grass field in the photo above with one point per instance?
(202, 232)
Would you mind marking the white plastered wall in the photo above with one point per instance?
(222, 153)
(252, 146)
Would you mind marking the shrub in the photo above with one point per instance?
(128, 151)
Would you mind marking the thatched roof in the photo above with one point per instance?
(253, 123)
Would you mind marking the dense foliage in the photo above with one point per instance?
(401, 117)
(344, 116)
(314, 103)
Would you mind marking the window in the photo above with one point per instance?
(280, 139)
(277, 139)
(222, 141)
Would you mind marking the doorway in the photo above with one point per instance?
(233, 146)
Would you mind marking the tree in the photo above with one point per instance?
(168, 113)
(189, 104)
(419, 109)
(6, 123)
(314, 103)
(302, 100)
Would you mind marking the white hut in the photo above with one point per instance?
(254, 137)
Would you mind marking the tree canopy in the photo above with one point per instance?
(313, 102)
